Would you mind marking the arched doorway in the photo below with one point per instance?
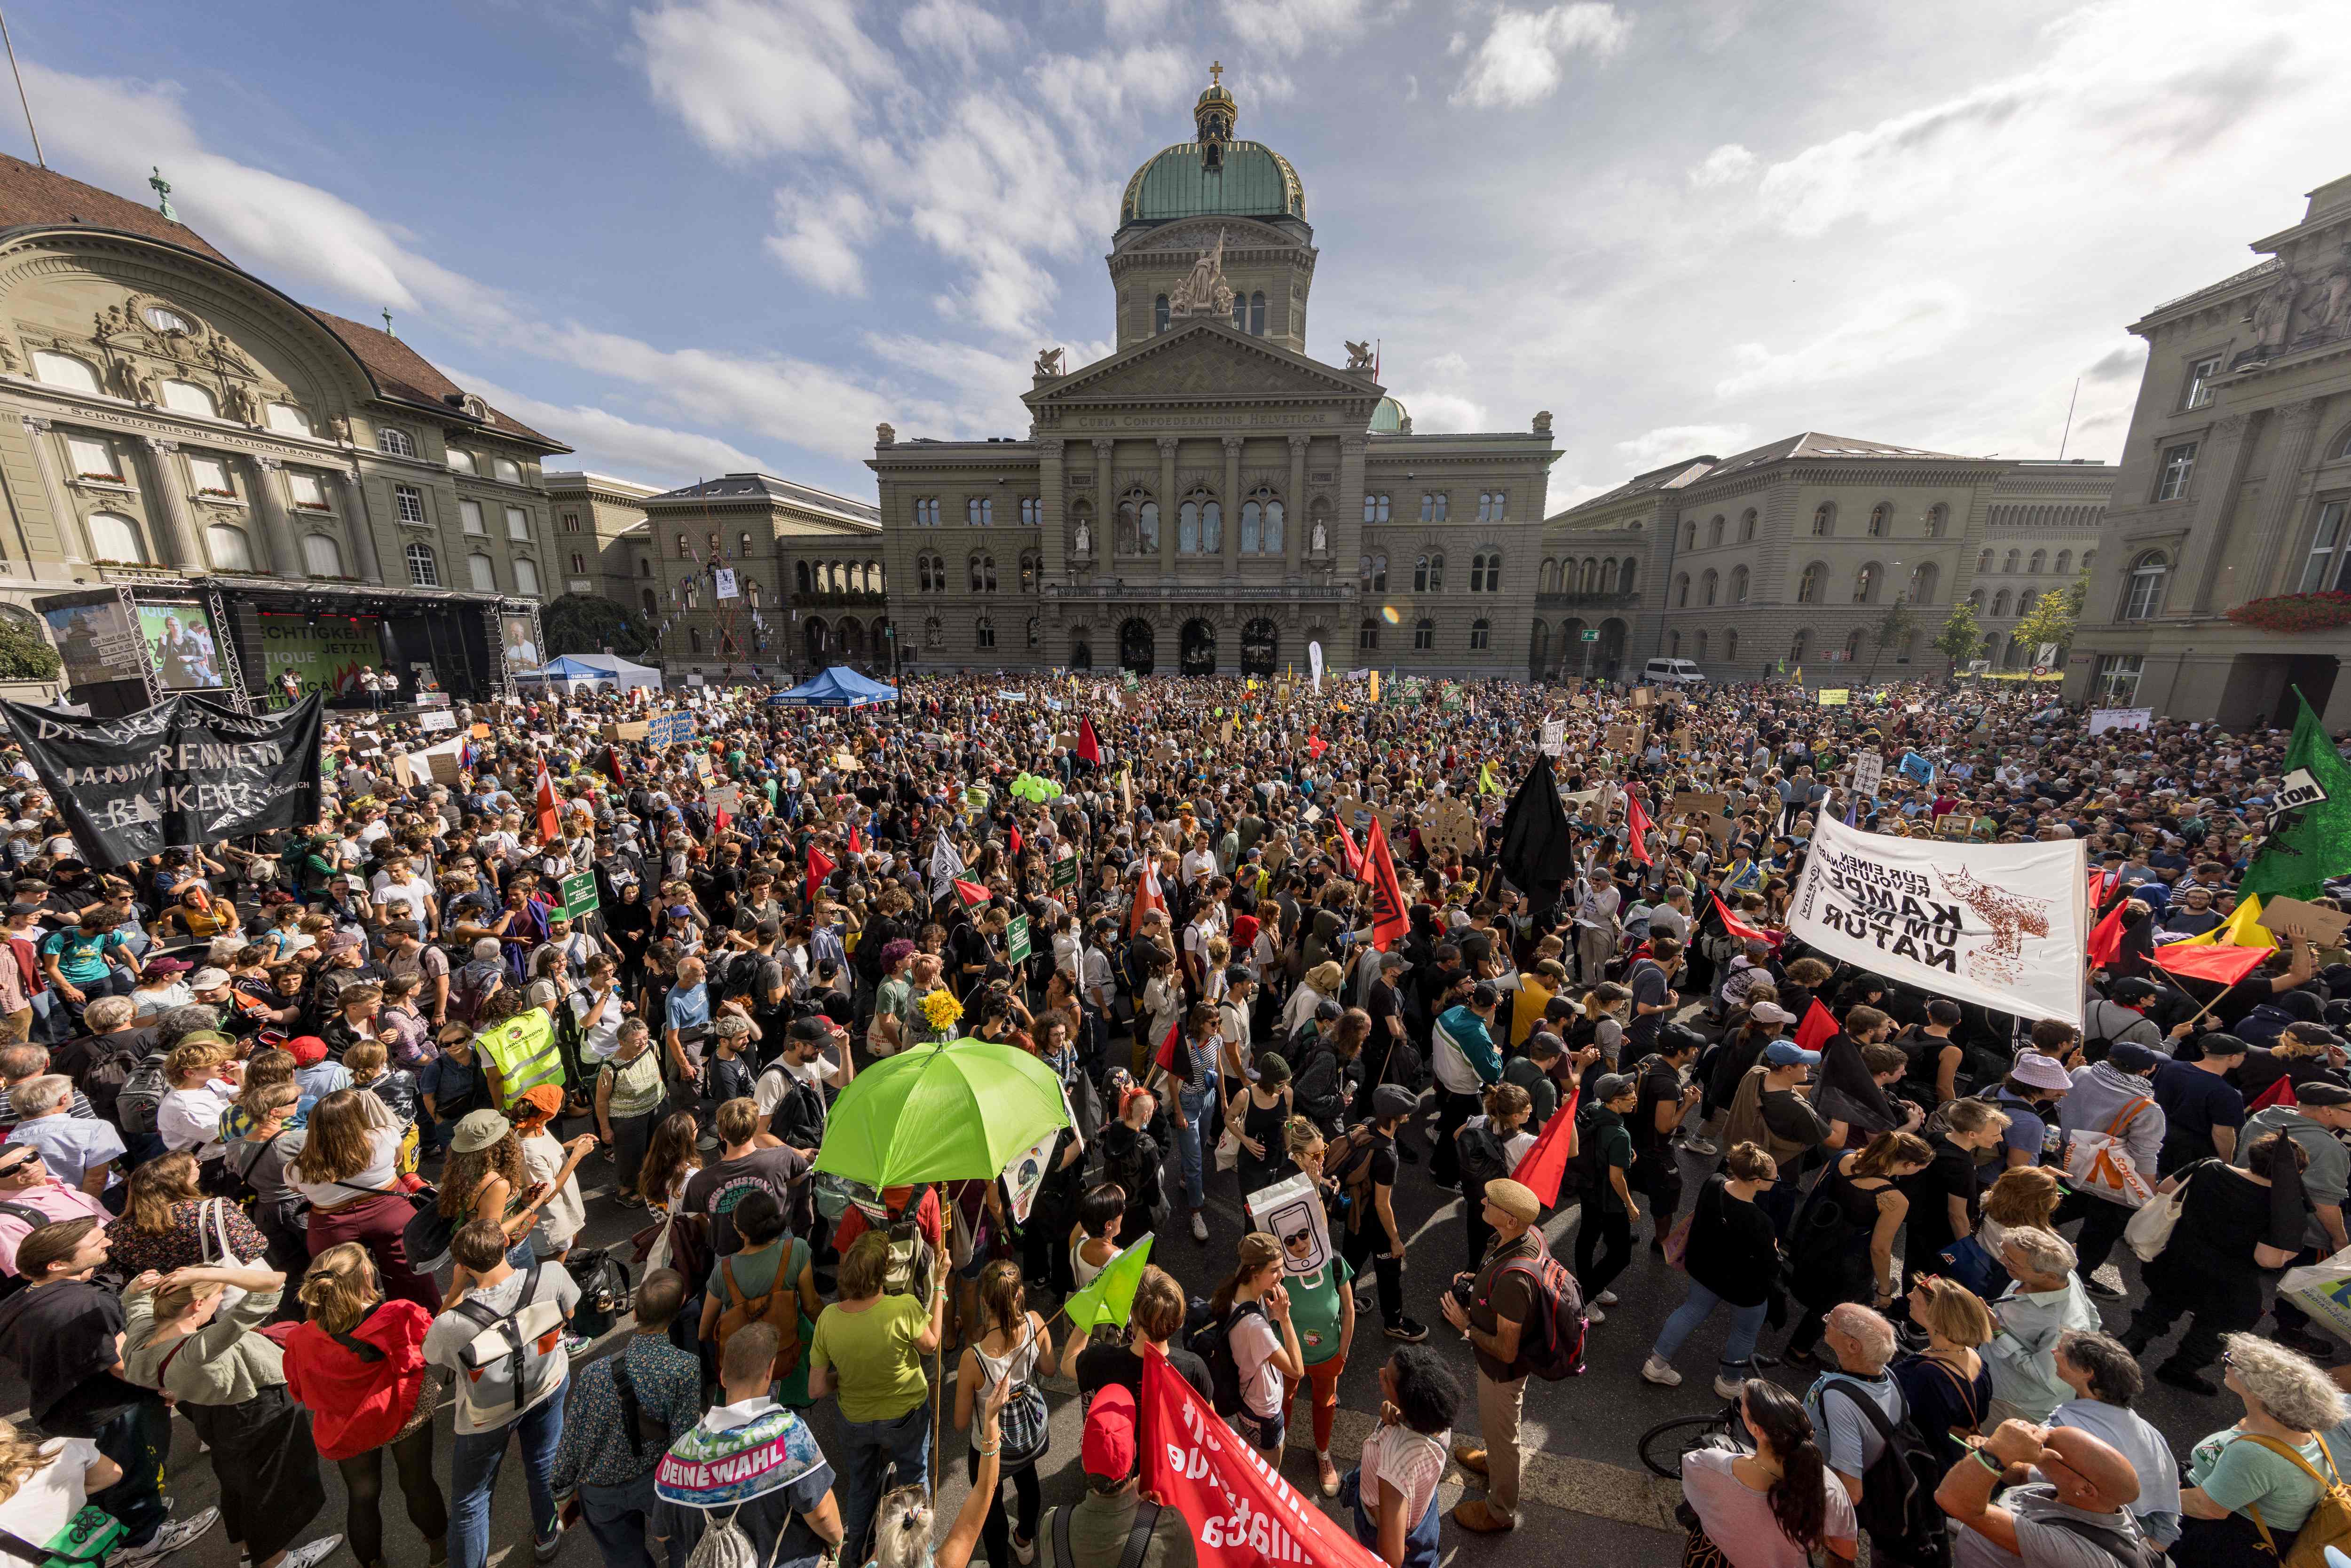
(1199, 648)
(1136, 646)
(1572, 661)
(816, 639)
(1260, 647)
(1537, 648)
(1612, 646)
(850, 638)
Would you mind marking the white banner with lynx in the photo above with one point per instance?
(1998, 925)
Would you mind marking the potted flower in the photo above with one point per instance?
(2294, 611)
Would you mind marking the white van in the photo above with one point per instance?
(1672, 673)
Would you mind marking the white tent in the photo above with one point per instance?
(600, 668)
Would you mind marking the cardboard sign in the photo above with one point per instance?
(1868, 770)
(1554, 736)
(1068, 743)
(620, 732)
(2305, 922)
(1450, 824)
(1162, 753)
(1619, 738)
(1837, 696)
(1644, 696)
(443, 768)
(669, 728)
(726, 798)
(1710, 811)
(1955, 825)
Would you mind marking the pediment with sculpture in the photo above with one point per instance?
(1206, 358)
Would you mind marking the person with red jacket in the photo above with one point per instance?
(357, 1364)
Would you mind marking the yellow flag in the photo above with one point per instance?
(1375, 686)
(1486, 782)
(2244, 928)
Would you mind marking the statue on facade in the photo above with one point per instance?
(1358, 355)
(237, 404)
(885, 434)
(1203, 292)
(1049, 362)
(2273, 312)
(1542, 423)
(1085, 538)
(1321, 541)
(2334, 302)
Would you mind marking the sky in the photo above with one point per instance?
(690, 236)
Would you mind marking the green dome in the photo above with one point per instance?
(1389, 418)
(1253, 181)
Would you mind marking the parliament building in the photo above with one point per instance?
(1210, 497)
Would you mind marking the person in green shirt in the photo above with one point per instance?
(869, 1349)
(892, 999)
(766, 1251)
(1604, 1242)
(1322, 1304)
(2267, 1465)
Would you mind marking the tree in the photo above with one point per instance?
(2052, 618)
(1897, 624)
(585, 623)
(1961, 635)
(24, 653)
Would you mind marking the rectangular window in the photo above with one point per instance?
(518, 523)
(306, 491)
(91, 459)
(408, 503)
(2200, 383)
(2118, 680)
(472, 512)
(2178, 463)
(485, 573)
(209, 475)
(2324, 545)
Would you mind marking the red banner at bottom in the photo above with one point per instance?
(1242, 1513)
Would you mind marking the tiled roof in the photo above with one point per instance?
(401, 371)
(738, 486)
(1671, 476)
(1811, 444)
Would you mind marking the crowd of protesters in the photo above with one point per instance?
(304, 1133)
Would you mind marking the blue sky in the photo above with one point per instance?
(689, 235)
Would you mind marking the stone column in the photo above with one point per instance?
(2220, 462)
(276, 522)
(1166, 505)
(1347, 528)
(1232, 532)
(361, 531)
(1051, 551)
(178, 522)
(1294, 506)
(1105, 540)
(2285, 493)
(65, 518)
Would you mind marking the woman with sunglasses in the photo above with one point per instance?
(1732, 1254)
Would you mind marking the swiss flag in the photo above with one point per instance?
(1089, 747)
(820, 866)
(971, 893)
(1638, 823)
(1542, 1166)
(2106, 937)
(1819, 1027)
(551, 827)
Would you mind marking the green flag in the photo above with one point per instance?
(1111, 1298)
(2316, 841)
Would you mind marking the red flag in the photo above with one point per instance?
(1173, 1057)
(1746, 933)
(856, 845)
(1638, 823)
(1089, 747)
(2279, 1092)
(612, 768)
(1542, 1166)
(971, 893)
(1242, 1513)
(1147, 896)
(2225, 965)
(820, 866)
(1015, 838)
(2106, 937)
(1388, 922)
(1347, 848)
(1820, 1025)
(551, 827)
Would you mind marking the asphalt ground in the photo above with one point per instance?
(1585, 1498)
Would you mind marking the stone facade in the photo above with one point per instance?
(1794, 552)
(596, 516)
(2235, 487)
(1208, 497)
(163, 413)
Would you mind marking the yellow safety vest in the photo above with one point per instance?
(523, 1051)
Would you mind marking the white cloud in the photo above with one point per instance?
(607, 443)
(1287, 27)
(1127, 18)
(1436, 412)
(1669, 441)
(818, 236)
(750, 77)
(1523, 59)
(955, 28)
(1726, 164)
(1873, 334)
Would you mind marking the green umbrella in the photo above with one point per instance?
(951, 1111)
(1110, 1298)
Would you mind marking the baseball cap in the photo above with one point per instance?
(2131, 993)
(1788, 1053)
(2038, 1071)
(1391, 1099)
(1108, 1448)
(1770, 1012)
(342, 942)
(2132, 1057)
(168, 965)
(208, 979)
(308, 1050)
(1612, 1086)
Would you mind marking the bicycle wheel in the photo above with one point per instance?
(1662, 1445)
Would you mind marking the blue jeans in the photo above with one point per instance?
(1746, 1322)
(619, 1518)
(868, 1451)
(1187, 1139)
(473, 1476)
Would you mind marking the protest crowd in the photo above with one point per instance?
(303, 1132)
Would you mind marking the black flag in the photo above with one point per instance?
(1536, 854)
(185, 771)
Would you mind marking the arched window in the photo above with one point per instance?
(2040, 563)
(2064, 562)
(1702, 647)
(2088, 557)
(228, 547)
(983, 631)
(743, 545)
(2014, 557)
(1485, 573)
(1689, 534)
(1938, 517)
(1200, 525)
(982, 574)
(1707, 586)
(1030, 564)
(1983, 564)
(926, 511)
(526, 576)
(1032, 511)
(424, 567)
(1681, 590)
(1138, 523)
(321, 556)
(1824, 520)
(1380, 572)
(1797, 644)
(507, 469)
(1481, 635)
(1376, 509)
(485, 573)
(113, 536)
(1809, 586)
(187, 397)
(392, 441)
(1739, 585)
(462, 462)
(1864, 584)
(2000, 605)
(1159, 314)
(1367, 633)
(1924, 582)
(1714, 530)
(65, 370)
(1746, 526)
(1035, 631)
(751, 591)
(1545, 573)
(1423, 634)
(1257, 313)
(1607, 576)
(979, 512)
(1627, 580)
(644, 567)
(1853, 642)
(801, 574)
(1730, 646)
(2142, 600)
(1881, 518)
(1491, 506)
(653, 605)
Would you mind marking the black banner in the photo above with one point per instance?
(188, 770)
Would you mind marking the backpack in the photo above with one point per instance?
(465, 997)
(106, 1076)
(1211, 1339)
(424, 1239)
(604, 1291)
(507, 1337)
(1550, 1342)
(1481, 1158)
(1351, 1167)
(912, 1260)
(779, 1308)
(142, 1095)
(2329, 1524)
(1897, 1488)
(1138, 1537)
(2129, 1550)
(639, 1423)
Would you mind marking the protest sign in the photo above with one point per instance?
(633, 730)
(726, 797)
(1710, 811)
(1026, 1175)
(1016, 940)
(1290, 1211)
(1644, 696)
(188, 770)
(1955, 825)
(439, 718)
(669, 728)
(1998, 925)
(1065, 873)
(2305, 922)
(1868, 770)
(1835, 696)
(1554, 735)
(2105, 718)
(579, 893)
(1449, 824)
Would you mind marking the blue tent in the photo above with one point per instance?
(839, 686)
(565, 668)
